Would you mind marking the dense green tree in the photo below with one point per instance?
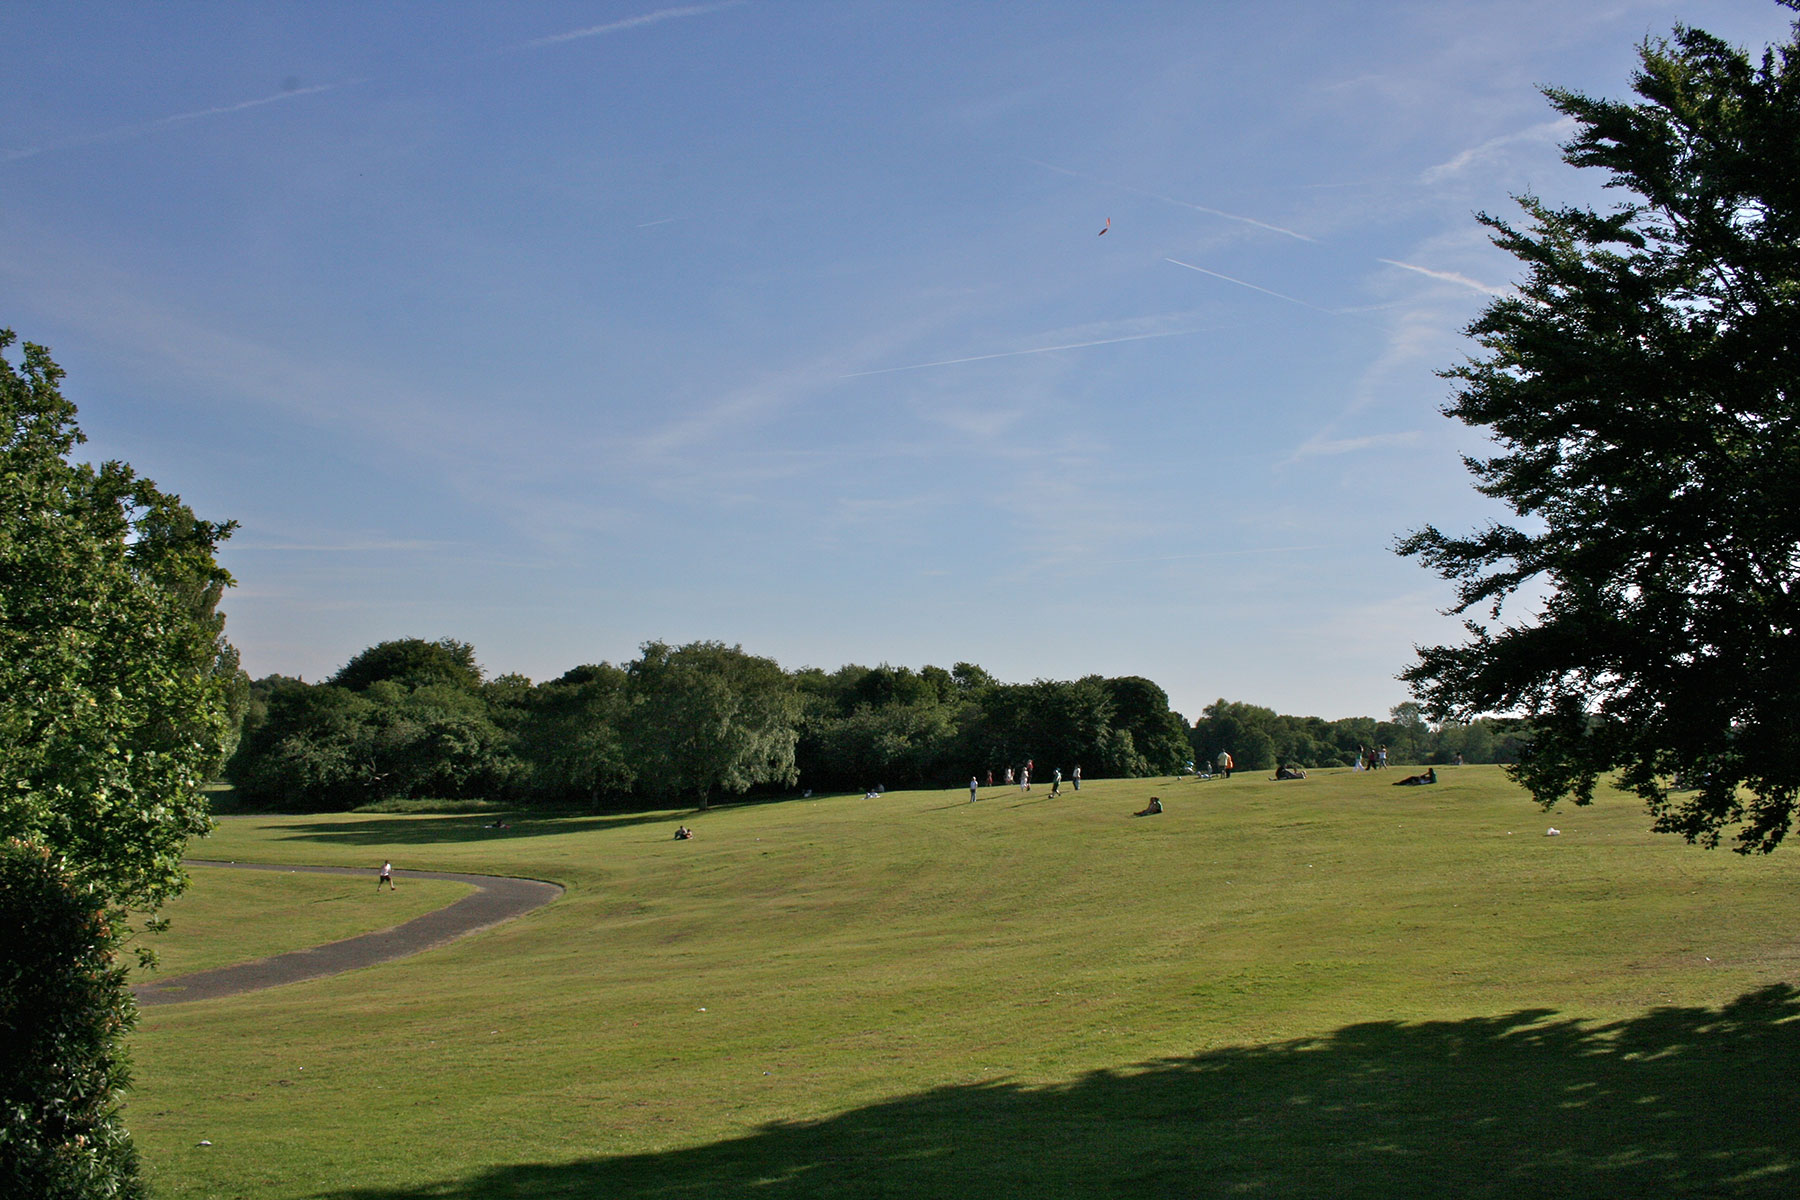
(897, 745)
(412, 663)
(1141, 709)
(708, 718)
(64, 1011)
(309, 746)
(971, 679)
(118, 686)
(1406, 733)
(1643, 386)
(573, 742)
(327, 747)
(111, 651)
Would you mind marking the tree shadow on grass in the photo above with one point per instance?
(470, 827)
(1677, 1102)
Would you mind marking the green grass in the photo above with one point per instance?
(1331, 987)
(228, 916)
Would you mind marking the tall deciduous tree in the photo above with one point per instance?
(1643, 386)
(111, 651)
(707, 717)
(117, 686)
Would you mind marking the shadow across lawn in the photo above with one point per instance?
(1677, 1102)
(467, 827)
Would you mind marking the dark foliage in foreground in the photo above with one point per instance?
(1643, 386)
(64, 1013)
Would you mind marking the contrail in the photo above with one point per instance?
(1265, 291)
(950, 362)
(1128, 562)
(1449, 277)
(652, 18)
(1137, 191)
(124, 131)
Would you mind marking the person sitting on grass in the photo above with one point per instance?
(1290, 773)
(1150, 809)
(683, 834)
(1430, 776)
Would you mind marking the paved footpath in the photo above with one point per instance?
(496, 899)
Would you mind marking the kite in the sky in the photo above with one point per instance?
(1105, 227)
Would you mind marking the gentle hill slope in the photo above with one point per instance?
(1284, 987)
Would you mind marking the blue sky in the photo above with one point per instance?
(559, 327)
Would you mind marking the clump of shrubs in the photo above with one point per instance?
(64, 1012)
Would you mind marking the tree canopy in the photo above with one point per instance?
(708, 717)
(114, 667)
(119, 688)
(1641, 387)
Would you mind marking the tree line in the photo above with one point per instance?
(414, 719)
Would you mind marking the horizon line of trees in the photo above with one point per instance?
(417, 719)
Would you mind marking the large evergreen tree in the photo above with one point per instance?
(1643, 386)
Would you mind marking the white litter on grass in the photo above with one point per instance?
(1553, 831)
(203, 1143)
(703, 1010)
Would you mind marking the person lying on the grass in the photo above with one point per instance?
(1430, 776)
(1290, 773)
(1150, 809)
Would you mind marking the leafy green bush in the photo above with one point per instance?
(64, 1014)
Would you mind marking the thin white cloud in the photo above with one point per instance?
(1319, 447)
(1253, 287)
(951, 362)
(1178, 203)
(143, 127)
(778, 392)
(1450, 277)
(637, 22)
(1248, 552)
(382, 546)
(1554, 132)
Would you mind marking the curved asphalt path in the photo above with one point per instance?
(496, 899)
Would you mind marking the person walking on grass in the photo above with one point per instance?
(974, 789)
(1225, 763)
(386, 876)
(1077, 777)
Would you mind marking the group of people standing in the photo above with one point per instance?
(1370, 758)
(1024, 780)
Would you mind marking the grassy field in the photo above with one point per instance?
(1331, 987)
(228, 916)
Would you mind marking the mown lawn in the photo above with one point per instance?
(1331, 987)
(229, 916)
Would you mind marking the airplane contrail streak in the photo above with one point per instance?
(123, 131)
(1265, 291)
(1449, 277)
(1178, 203)
(651, 18)
(950, 362)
